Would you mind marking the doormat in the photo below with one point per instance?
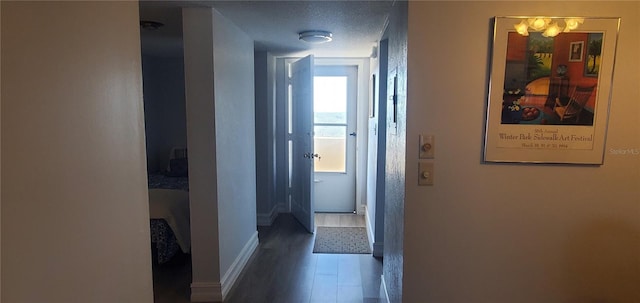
(341, 240)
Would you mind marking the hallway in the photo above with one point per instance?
(284, 270)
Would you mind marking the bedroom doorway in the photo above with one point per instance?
(165, 120)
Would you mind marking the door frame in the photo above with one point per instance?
(340, 179)
(362, 108)
(362, 122)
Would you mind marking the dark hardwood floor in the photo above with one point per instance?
(285, 270)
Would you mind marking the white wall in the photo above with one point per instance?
(235, 137)
(74, 195)
(514, 233)
(201, 142)
(221, 138)
(164, 108)
(372, 155)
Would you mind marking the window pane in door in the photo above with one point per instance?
(330, 99)
(330, 145)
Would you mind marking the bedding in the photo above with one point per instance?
(169, 207)
(164, 241)
(170, 224)
(168, 182)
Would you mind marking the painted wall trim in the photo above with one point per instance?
(266, 219)
(384, 287)
(370, 228)
(206, 292)
(230, 277)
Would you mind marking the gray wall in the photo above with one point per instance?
(164, 108)
(477, 235)
(377, 149)
(381, 147)
(395, 157)
(265, 137)
(75, 218)
(282, 147)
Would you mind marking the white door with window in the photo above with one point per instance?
(334, 141)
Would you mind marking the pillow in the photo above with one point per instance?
(178, 168)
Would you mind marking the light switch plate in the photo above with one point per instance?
(425, 173)
(426, 147)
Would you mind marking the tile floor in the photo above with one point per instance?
(339, 220)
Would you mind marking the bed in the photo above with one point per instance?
(162, 181)
(170, 227)
(169, 208)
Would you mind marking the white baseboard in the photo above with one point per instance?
(230, 277)
(378, 249)
(206, 292)
(268, 218)
(384, 287)
(370, 231)
(216, 292)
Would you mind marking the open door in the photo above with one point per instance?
(302, 141)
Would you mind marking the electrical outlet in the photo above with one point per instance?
(427, 147)
(425, 173)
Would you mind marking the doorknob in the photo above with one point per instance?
(311, 155)
(353, 134)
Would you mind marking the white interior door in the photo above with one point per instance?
(302, 200)
(335, 99)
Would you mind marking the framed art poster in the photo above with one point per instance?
(550, 89)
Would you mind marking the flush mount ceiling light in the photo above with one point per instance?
(316, 37)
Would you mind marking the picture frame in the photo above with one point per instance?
(575, 51)
(542, 106)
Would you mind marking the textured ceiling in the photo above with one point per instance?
(274, 25)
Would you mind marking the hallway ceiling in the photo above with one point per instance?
(274, 25)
